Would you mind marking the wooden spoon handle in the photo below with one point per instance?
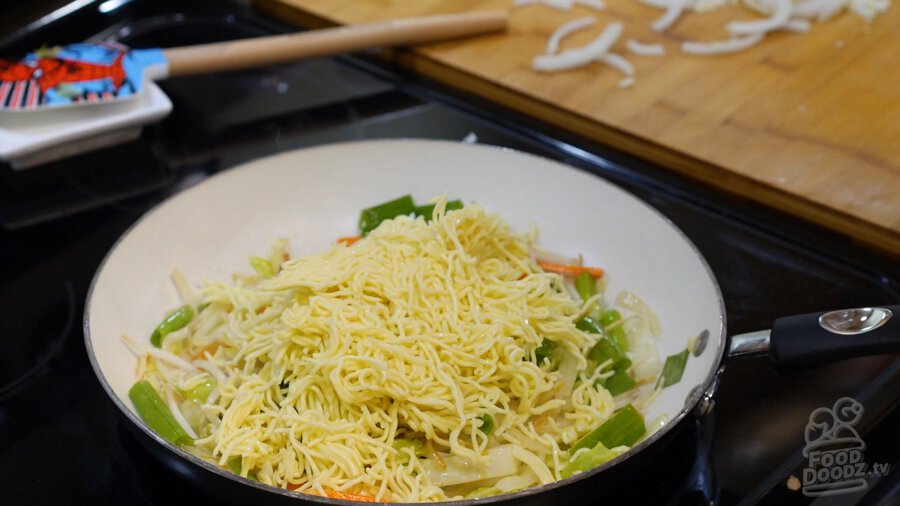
(271, 50)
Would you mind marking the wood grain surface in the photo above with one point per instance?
(806, 123)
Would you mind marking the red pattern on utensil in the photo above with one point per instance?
(58, 70)
(51, 72)
(14, 71)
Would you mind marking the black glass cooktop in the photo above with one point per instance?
(63, 442)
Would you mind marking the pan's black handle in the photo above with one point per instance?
(800, 342)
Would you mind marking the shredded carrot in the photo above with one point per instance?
(260, 309)
(285, 256)
(335, 494)
(569, 270)
(211, 349)
(347, 241)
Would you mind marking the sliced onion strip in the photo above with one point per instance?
(626, 82)
(572, 58)
(781, 12)
(673, 12)
(179, 417)
(161, 354)
(562, 5)
(659, 4)
(796, 26)
(721, 46)
(617, 62)
(593, 4)
(566, 29)
(641, 49)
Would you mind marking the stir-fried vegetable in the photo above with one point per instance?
(614, 330)
(487, 424)
(623, 428)
(589, 324)
(416, 446)
(589, 459)
(673, 369)
(263, 266)
(481, 493)
(620, 381)
(349, 240)
(456, 470)
(337, 494)
(370, 218)
(234, 465)
(543, 352)
(586, 285)
(199, 392)
(569, 270)
(427, 210)
(606, 350)
(153, 410)
(175, 320)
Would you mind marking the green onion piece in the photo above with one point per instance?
(263, 267)
(619, 382)
(587, 460)
(623, 428)
(153, 410)
(543, 352)
(588, 324)
(417, 446)
(586, 285)
(617, 333)
(234, 465)
(609, 317)
(370, 218)
(605, 350)
(487, 424)
(622, 365)
(174, 321)
(200, 392)
(673, 369)
(427, 211)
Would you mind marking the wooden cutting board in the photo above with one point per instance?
(806, 123)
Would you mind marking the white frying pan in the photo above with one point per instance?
(313, 196)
